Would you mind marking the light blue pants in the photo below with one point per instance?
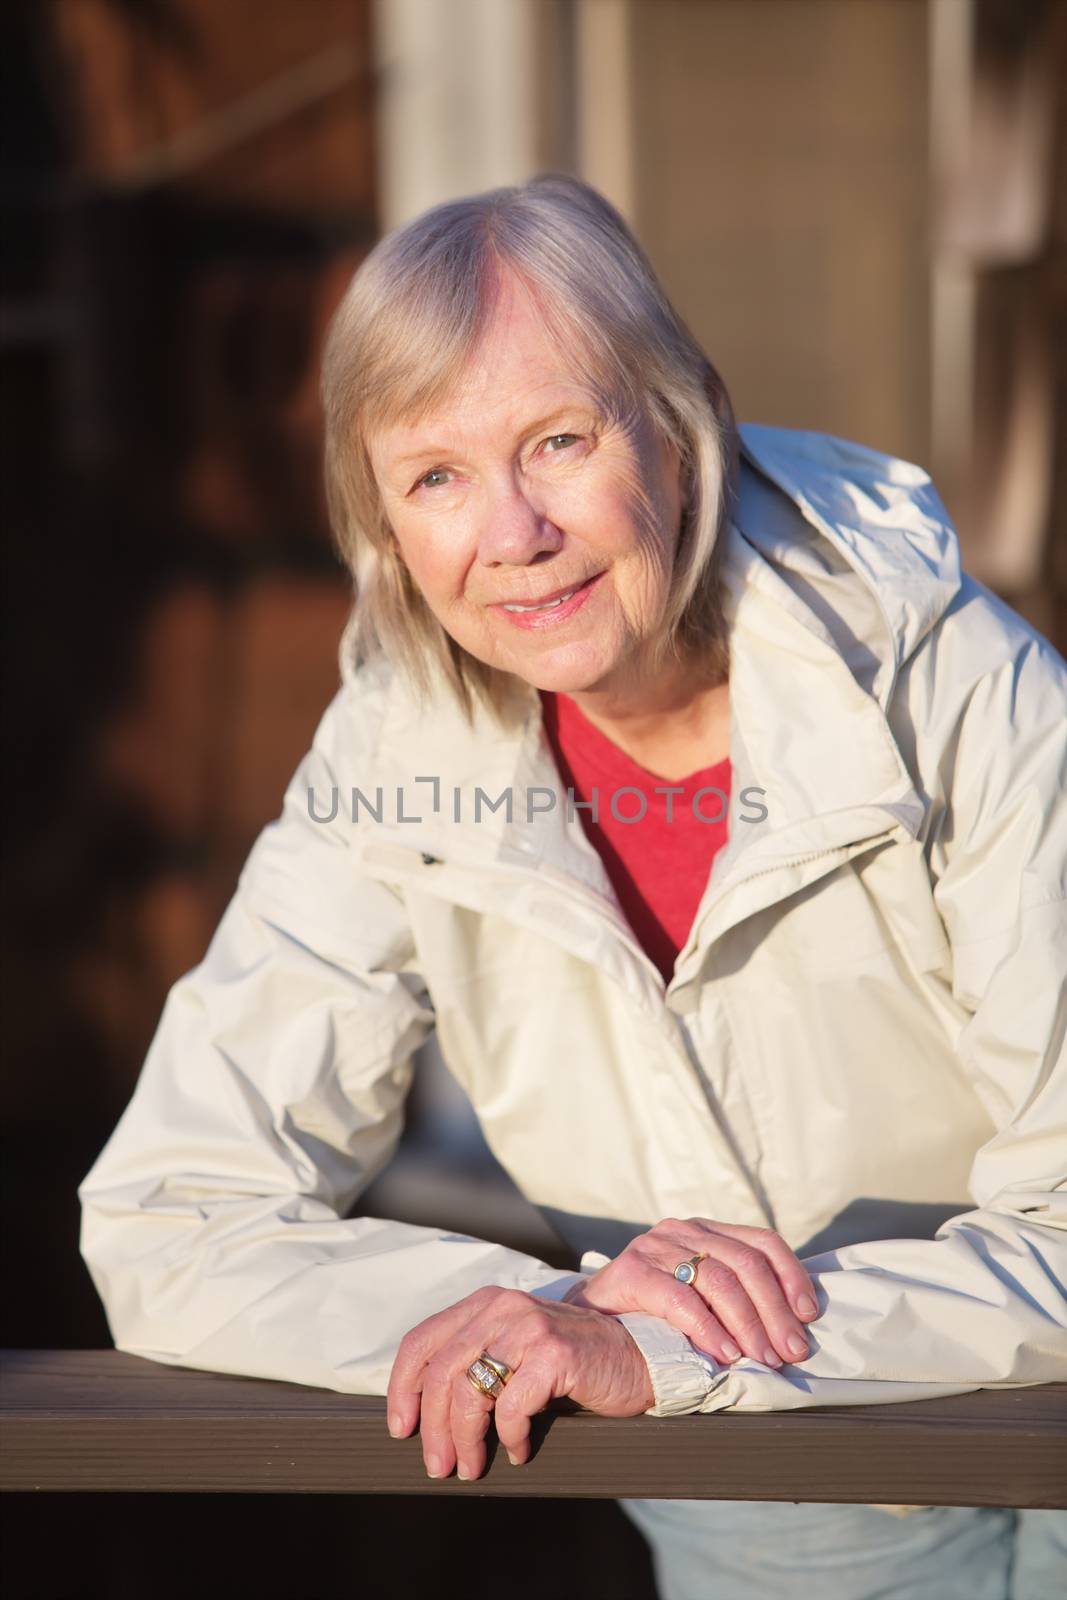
(774, 1550)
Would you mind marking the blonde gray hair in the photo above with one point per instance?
(413, 316)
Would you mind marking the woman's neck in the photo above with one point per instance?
(670, 727)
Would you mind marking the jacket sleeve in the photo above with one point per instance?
(984, 1303)
(214, 1220)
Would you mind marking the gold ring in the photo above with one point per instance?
(686, 1271)
(488, 1375)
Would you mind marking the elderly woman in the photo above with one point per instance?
(714, 820)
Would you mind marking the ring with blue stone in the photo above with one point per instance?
(686, 1271)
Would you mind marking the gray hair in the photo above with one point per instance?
(412, 317)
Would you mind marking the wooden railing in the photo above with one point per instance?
(103, 1421)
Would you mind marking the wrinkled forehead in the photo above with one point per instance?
(478, 408)
(562, 364)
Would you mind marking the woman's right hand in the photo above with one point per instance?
(751, 1295)
(554, 1351)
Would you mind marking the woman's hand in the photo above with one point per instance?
(751, 1296)
(554, 1350)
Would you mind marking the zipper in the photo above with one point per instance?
(785, 866)
(619, 926)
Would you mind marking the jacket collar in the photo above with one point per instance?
(881, 514)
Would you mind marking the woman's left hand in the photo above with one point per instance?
(748, 1286)
(554, 1350)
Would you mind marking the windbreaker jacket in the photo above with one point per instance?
(862, 1045)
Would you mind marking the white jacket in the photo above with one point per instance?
(863, 1041)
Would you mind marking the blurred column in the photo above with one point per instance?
(456, 100)
(473, 94)
(604, 100)
(996, 116)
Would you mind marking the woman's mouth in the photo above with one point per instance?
(549, 613)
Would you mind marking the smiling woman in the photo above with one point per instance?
(465, 343)
(791, 1084)
(580, 609)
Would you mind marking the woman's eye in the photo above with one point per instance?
(435, 472)
(439, 475)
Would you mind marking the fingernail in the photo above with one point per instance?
(731, 1352)
(515, 1462)
(434, 1467)
(771, 1358)
(797, 1345)
(396, 1425)
(464, 1474)
(806, 1306)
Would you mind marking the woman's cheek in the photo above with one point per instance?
(436, 560)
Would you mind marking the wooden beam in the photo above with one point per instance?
(102, 1421)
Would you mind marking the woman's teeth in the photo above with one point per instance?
(548, 604)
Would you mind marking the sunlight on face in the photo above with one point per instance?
(516, 492)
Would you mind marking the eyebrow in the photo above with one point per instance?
(410, 457)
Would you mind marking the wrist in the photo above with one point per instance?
(680, 1377)
(559, 1289)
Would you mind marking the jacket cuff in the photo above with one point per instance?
(557, 1287)
(682, 1376)
(591, 1262)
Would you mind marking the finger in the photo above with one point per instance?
(739, 1282)
(469, 1422)
(528, 1392)
(449, 1400)
(659, 1292)
(418, 1346)
(782, 1334)
(435, 1422)
(795, 1279)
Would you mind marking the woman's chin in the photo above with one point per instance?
(571, 668)
(563, 677)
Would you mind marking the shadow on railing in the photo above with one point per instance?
(102, 1421)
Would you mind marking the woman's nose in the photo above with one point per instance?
(515, 529)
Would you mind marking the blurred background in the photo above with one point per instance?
(859, 206)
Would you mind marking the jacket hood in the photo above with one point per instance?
(880, 519)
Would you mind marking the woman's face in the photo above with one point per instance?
(516, 492)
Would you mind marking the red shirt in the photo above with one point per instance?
(658, 860)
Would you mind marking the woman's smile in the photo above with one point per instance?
(551, 613)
